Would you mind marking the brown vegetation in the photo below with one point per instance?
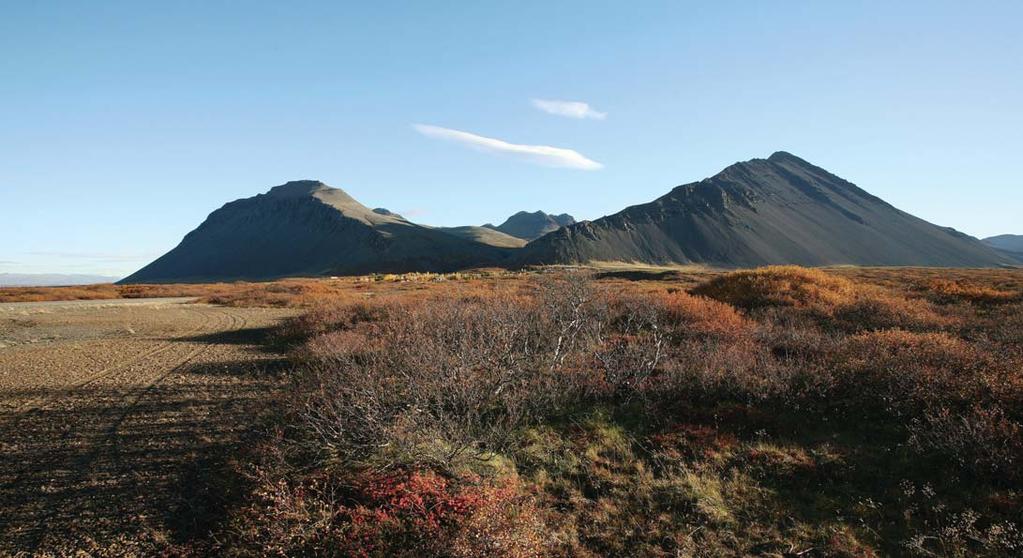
(290, 293)
(831, 299)
(776, 411)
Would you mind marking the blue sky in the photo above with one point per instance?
(123, 124)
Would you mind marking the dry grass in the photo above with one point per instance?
(40, 294)
(284, 293)
(291, 293)
(110, 291)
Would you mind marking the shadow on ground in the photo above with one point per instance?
(95, 466)
(639, 275)
(260, 338)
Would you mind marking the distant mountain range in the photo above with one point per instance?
(51, 279)
(764, 211)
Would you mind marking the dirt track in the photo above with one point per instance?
(115, 415)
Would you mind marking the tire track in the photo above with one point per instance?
(106, 463)
(80, 467)
(70, 430)
(110, 445)
(36, 404)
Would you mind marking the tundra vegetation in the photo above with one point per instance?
(777, 411)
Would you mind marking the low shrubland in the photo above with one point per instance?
(780, 411)
(832, 300)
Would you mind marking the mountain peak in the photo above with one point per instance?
(306, 228)
(760, 212)
(329, 195)
(785, 156)
(528, 226)
(299, 188)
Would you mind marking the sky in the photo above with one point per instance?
(124, 124)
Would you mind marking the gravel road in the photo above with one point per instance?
(116, 417)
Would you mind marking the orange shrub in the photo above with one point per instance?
(788, 285)
(830, 299)
(909, 372)
(875, 308)
(699, 315)
(945, 291)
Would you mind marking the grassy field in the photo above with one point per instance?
(637, 412)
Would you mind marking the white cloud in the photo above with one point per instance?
(571, 109)
(539, 154)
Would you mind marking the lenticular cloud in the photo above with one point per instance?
(539, 154)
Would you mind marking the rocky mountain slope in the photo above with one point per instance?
(765, 211)
(529, 226)
(308, 228)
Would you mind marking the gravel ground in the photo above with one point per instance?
(115, 417)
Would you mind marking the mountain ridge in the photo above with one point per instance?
(778, 210)
(1012, 242)
(763, 211)
(307, 228)
(1009, 244)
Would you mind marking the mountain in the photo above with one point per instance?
(529, 226)
(306, 228)
(765, 211)
(1011, 244)
(486, 235)
(51, 279)
(1008, 242)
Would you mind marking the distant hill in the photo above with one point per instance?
(529, 226)
(492, 237)
(51, 279)
(1012, 244)
(306, 228)
(765, 211)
